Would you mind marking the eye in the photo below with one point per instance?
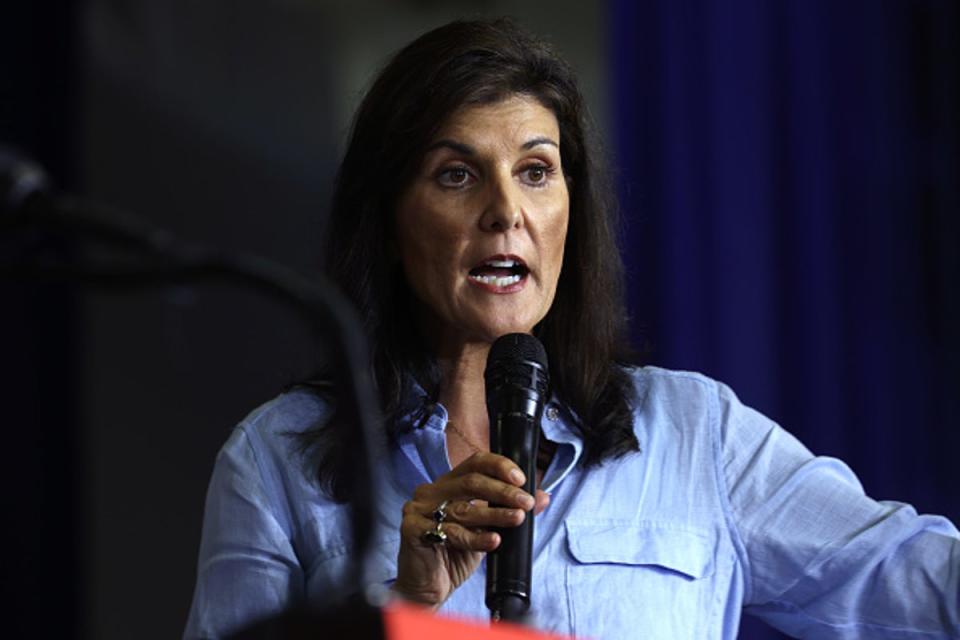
(455, 177)
(536, 175)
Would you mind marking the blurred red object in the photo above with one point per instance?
(407, 622)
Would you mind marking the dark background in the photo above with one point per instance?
(788, 174)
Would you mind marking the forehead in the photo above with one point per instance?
(517, 117)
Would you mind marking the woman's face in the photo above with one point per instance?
(481, 227)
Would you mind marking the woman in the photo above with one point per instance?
(466, 208)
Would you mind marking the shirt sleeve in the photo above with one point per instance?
(247, 569)
(822, 559)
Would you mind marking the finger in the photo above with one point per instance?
(474, 486)
(458, 536)
(476, 514)
(543, 501)
(479, 486)
(493, 465)
(462, 537)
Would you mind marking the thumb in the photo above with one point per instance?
(542, 501)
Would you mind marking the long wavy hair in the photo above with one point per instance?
(584, 333)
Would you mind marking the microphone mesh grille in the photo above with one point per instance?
(517, 359)
(517, 346)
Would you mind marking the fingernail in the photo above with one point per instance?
(526, 500)
(518, 476)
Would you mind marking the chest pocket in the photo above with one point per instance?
(640, 579)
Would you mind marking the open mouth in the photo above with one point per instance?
(500, 272)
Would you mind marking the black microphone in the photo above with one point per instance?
(27, 202)
(20, 181)
(516, 381)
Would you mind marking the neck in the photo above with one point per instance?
(463, 393)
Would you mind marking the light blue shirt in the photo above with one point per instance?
(721, 511)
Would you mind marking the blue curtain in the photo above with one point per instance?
(788, 173)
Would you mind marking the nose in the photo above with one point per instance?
(503, 209)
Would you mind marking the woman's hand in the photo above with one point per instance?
(428, 573)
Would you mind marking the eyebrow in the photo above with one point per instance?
(467, 150)
(530, 144)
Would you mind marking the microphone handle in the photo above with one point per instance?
(514, 435)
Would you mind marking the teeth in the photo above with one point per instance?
(505, 281)
(503, 264)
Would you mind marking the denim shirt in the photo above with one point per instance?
(721, 511)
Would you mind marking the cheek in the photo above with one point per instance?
(556, 240)
(426, 232)
(560, 241)
(429, 261)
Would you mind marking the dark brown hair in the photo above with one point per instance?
(467, 63)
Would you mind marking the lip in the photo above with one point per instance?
(501, 257)
(493, 288)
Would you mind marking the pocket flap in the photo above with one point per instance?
(678, 548)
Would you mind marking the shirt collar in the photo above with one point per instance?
(557, 425)
(422, 450)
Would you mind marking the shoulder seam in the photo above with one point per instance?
(269, 482)
(723, 490)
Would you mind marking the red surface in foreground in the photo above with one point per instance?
(407, 622)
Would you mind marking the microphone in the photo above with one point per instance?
(516, 381)
(27, 201)
(20, 181)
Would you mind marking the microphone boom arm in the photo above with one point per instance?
(159, 258)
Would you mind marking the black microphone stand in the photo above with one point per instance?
(155, 257)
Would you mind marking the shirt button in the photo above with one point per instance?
(552, 413)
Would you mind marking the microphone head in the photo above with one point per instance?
(19, 180)
(517, 360)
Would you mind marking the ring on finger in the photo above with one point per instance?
(440, 513)
(435, 536)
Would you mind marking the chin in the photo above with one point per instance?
(486, 324)
(492, 333)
